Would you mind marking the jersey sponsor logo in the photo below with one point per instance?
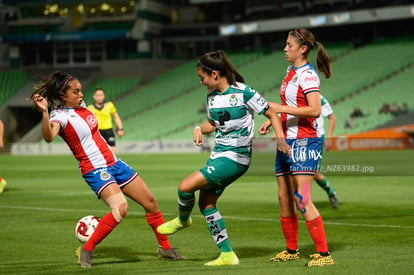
(218, 234)
(302, 142)
(311, 78)
(230, 135)
(92, 121)
(300, 153)
(233, 100)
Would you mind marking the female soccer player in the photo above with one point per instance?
(301, 105)
(104, 111)
(231, 106)
(109, 177)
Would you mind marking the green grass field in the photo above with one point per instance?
(371, 232)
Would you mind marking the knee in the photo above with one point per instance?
(284, 199)
(303, 196)
(123, 209)
(318, 176)
(120, 212)
(119, 206)
(183, 185)
(151, 205)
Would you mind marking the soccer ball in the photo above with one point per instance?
(85, 228)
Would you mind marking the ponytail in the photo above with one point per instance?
(323, 61)
(218, 61)
(305, 38)
(53, 87)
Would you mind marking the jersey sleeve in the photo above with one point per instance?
(255, 101)
(111, 107)
(59, 117)
(309, 81)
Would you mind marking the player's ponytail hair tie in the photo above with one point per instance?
(304, 40)
(65, 83)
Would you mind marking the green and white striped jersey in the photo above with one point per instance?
(232, 113)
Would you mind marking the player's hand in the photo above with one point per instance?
(40, 102)
(120, 133)
(283, 147)
(198, 137)
(328, 144)
(265, 128)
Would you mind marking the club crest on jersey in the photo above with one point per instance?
(92, 121)
(233, 100)
(295, 79)
(105, 176)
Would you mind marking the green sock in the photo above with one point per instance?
(325, 185)
(217, 228)
(185, 205)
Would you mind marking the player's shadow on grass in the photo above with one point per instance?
(117, 255)
(324, 204)
(253, 252)
(306, 250)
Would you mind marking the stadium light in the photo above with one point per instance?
(80, 8)
(105, 7)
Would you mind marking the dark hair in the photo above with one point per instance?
(305, 38)
(53, 87)
(218, 61)
(98, 89)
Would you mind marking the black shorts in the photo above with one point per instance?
(109, 136)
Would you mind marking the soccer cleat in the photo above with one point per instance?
(84, 257)
(169, 254)
(173, 226)
(333, 200)
(3, 184)
(285, 256)
(225, 258)
(319, 260)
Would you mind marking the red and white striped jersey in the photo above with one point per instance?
(79, 129)
(297, 83)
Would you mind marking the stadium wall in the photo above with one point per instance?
(394, 138)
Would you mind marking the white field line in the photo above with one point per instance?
(134, 213)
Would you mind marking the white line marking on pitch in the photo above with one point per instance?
(226, 217)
